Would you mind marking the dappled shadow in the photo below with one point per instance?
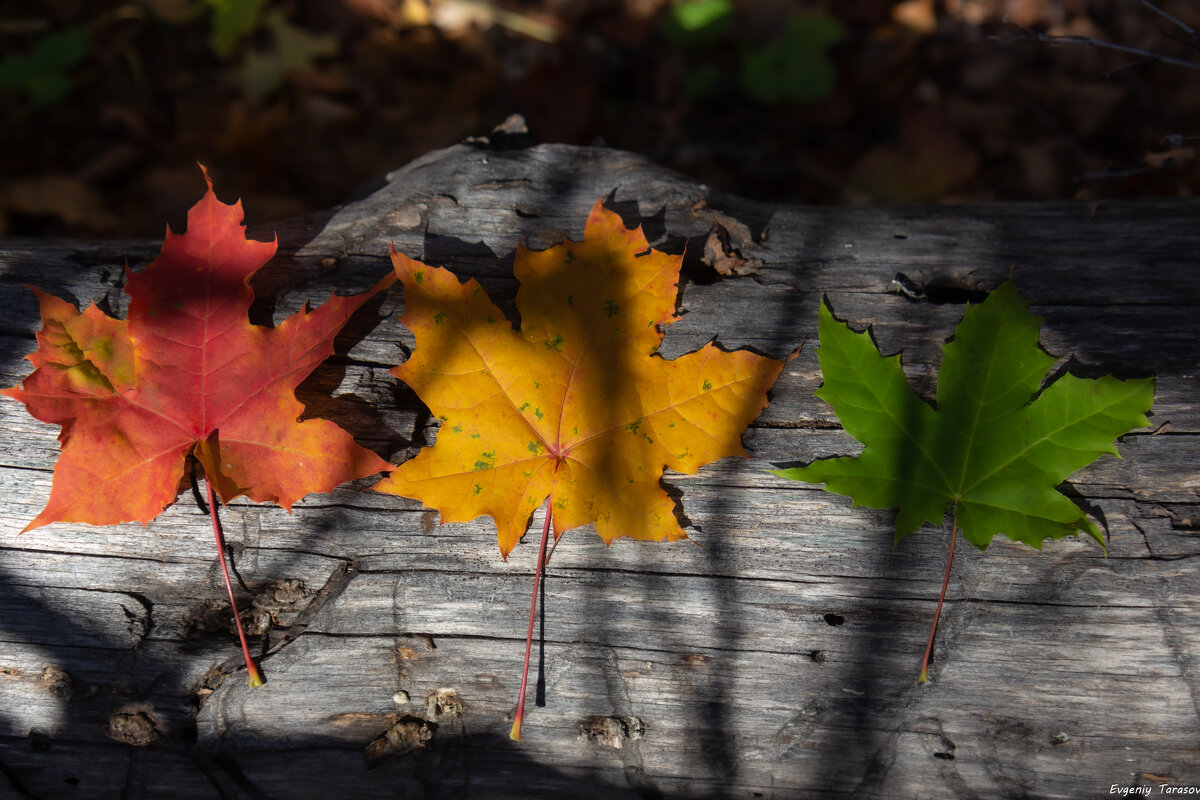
(608, 389)
(99, 644)
(859, 724)
(859, 720)
(88, 663)
(70, 755)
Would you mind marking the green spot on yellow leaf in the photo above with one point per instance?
(486, 460)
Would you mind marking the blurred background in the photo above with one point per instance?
(105, 107)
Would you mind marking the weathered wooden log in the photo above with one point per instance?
(777, 659)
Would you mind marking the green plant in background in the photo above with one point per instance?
(42, 73)
(263, 70)
(230, 21)
(292, 49)
(791, 66)
(697, 21)
(695, 24)
(794, 65)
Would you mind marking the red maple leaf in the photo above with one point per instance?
(187, 373)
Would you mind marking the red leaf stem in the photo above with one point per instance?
(537, 580)
(924, 676)
(256, 678)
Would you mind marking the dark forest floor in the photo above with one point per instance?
(105, 107)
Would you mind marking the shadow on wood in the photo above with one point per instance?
(777, 659)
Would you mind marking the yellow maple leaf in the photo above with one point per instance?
(577, 405)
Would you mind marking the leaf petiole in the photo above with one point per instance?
(256, 678)
(537, 580)
(924, 676)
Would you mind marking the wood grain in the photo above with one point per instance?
(775, 657)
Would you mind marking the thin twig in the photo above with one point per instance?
(1116, 174)
(1087, 41)
(1187, 41)
(1176, 22)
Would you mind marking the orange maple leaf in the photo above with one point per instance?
(187, 373)
(577, 406)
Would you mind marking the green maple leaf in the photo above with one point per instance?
(996, 446)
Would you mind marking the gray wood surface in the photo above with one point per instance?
(777, 659)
